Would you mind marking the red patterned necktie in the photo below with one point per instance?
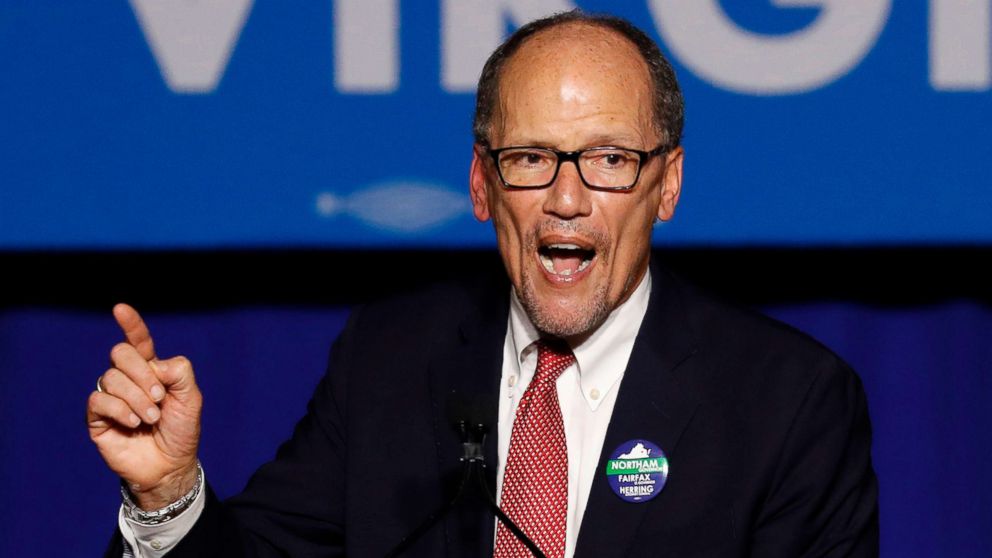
(535, 481)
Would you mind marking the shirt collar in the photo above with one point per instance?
(602, 357)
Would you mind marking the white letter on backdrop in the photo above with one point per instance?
(192, 41)
(960, 45)
(366, 46)
(716, 49)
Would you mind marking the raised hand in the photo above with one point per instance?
(145, 416)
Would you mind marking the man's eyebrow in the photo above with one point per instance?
(527, 142)
(618, 140)
(615, 140)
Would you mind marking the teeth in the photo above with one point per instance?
(548, 264)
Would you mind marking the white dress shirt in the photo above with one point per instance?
(587, 392)
(153, 541)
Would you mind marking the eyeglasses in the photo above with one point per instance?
(600, 168)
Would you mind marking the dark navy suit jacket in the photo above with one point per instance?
(767, 434)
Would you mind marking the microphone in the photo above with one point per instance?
(472, 416)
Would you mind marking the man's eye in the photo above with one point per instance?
(612, 160)
(529, 159)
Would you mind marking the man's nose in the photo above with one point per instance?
(567, 197)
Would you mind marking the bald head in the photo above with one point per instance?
(565, 75)
(546, 50)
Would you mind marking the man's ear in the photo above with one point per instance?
(671, 184)
(477, 184)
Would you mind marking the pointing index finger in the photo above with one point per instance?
(135, 330)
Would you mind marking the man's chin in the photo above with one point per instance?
(553, 319)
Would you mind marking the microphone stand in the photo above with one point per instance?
(517, 532)
(473, 465)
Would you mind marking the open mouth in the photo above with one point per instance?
(565, 260)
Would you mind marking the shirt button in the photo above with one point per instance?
(512, 381)
(594, 393)
(156, 544)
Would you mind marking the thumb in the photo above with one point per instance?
(176, 374)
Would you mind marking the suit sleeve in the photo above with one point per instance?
(294, 504)
(824, 497)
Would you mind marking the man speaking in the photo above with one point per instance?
(636, 416)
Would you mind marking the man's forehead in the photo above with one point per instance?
(577, 71)
(575, 42)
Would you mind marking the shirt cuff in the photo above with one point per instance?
(153, 541)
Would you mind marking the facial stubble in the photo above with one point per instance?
(579, 317)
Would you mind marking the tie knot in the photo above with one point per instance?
(553, 357)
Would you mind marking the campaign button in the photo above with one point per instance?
(637, 471)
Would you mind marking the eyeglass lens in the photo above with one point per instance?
(599, 167)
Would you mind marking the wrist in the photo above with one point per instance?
(169, 498)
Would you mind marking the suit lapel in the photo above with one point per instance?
(652, 404)
(471, 366)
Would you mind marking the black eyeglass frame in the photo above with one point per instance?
(573, 156)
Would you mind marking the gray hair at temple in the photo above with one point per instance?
(669, 107)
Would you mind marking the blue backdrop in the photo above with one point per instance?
(926, 372)
(346, 122)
